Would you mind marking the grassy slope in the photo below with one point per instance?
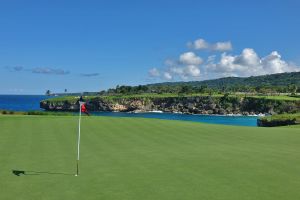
(124, 158)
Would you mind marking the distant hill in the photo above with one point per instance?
(278, 83)
(281, 79)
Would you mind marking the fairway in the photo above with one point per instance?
(146, 159)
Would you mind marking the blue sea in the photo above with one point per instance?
(31, 102)
(21, 102)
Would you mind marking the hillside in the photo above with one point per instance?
(273, 83)
(282, 79)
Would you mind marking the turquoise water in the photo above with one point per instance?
(212, 119)
(31, 102)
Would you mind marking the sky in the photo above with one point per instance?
(95, 45)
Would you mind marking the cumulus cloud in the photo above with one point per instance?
(190, 58)
(192, 70)
(190, 66)
(187, 67)
(201, 44)
(167, 76)
(46, 70)
(184, 68)
(90, 75)
(185, 72)
(222, 46)
(248, 63)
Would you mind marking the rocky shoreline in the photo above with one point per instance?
(207, 105)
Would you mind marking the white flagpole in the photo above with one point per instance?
(78, 139)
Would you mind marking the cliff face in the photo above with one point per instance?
(191, 105)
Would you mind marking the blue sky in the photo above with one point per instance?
(94, 45)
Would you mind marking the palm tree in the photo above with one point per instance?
(48, 92)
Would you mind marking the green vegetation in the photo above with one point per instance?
(282, 86)
(9, 112)
(69, 98)
(269, 94)
(185, 103)
(170, 95)
(281, 120)
(284, 116)
(279, 97)
(273, 84)
(125, 158)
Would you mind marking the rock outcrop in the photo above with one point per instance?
(191, 105)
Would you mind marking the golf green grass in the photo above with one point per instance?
(146, 159)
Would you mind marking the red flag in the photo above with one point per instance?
(84, 110)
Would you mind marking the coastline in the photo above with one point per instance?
(203, 105)
(181, 113)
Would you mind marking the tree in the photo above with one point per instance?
(66, 90)
(48, 92)
(186, 89)
(102, 92)
(202, 89)
(292, 88)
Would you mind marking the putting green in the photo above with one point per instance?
(146, 159)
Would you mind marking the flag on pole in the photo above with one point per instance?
(78, 138)
(84, 110)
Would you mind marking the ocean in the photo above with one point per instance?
(21, 102)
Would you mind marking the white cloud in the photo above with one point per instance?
(167, 76)
(248, 58)
(192, 70)
(176, 70)
(200, 44)
(154, 72)
(185, 72)
(190, 66)
(222, 46)
(248, 63)
(186, 67)
(274, 64)
(190, 58)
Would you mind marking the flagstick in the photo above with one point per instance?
(78, 140)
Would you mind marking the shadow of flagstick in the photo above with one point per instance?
(29, 172)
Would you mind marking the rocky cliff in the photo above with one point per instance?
(191, 105)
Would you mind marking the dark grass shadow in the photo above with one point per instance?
(30, 173)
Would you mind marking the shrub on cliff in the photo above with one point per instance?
(279, 120)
